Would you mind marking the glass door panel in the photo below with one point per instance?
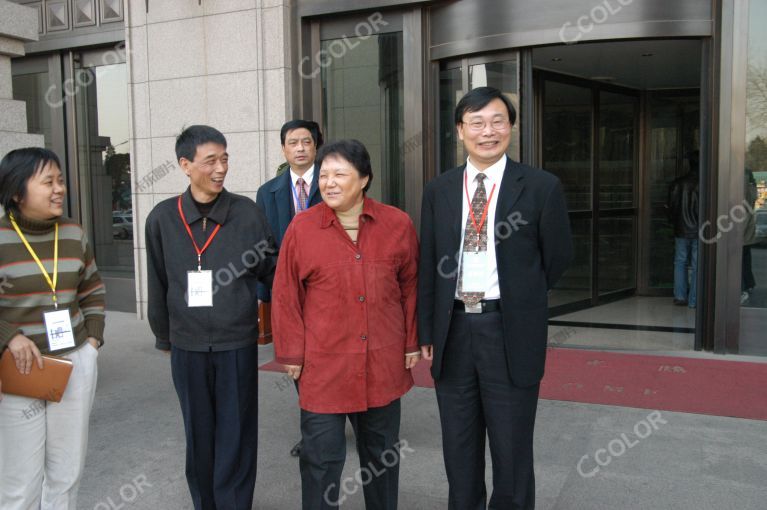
(101, 117)
(674, 121)
(566, 152)
(363, 98)
(450, 92)
(753, 299)
(617, 150)
(617, 254)
(31, 88)
(567, 142)
(617, 162)
(455, 79)
(503, 76)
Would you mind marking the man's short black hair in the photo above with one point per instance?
(16, 168)
(478, 98)
(352, 151)
(194, 136)
(309, 125)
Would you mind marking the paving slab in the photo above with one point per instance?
(664, 460)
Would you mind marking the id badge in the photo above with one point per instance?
(474, 271)
(199, 287)
(58, 329)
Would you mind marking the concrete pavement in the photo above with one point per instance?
(660, 460)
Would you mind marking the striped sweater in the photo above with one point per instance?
(24, 292)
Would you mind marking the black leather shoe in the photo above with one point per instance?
(680, 302)
(296, 450)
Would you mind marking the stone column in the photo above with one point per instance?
(224, 63)
(18, 24)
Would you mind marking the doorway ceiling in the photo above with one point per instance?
(644, 65)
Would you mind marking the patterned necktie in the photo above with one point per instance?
(302, 196)
(473, 240)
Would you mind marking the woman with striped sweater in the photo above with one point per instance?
(46, 265)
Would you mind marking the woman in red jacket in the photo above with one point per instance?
(343, 313)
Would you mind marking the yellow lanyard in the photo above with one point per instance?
(51, 283)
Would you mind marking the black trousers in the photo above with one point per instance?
(218, 395)
(476, 399)
(324, 452)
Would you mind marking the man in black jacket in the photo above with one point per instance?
(683, 214)
(487, 263)
(207, 249)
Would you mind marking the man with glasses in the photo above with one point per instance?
(495, 237)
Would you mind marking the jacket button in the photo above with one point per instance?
(363, 337)
(362, 299)
(357, 256)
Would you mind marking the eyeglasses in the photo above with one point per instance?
(496, 124)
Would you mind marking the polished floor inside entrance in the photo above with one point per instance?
(635, 323)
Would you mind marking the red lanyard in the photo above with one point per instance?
(478, 228)
(189, 231)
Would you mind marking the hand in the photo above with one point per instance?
(93, 342)
(411, 360)
(24, 353)
(427, 351)
(294, 371)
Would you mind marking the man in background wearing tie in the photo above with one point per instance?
(495, 237)
(293, 191)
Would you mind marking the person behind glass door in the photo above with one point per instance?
(748, 282)
(344, 327)
(43, 444)
(293, 191)
(210, 326)
(683, 199)
(495, 237)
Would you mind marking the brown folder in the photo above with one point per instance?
(46, 384)
(264, 323)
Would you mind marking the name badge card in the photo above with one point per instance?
(58, 328)
(199, 288)
(474, 271)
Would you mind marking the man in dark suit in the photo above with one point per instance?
(292, 191)
(495, 237)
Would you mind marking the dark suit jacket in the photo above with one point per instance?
(275, 198)
(533, 249)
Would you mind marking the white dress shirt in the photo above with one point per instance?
(307, 177)
(494, 175)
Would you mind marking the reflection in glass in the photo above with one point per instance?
(566, 140)
(754, 258)
(575, 284)
(616, 150)
(501, 75)
(31, 88)
(104, 158)
(617, 256)
(450, 92)
(363, 99)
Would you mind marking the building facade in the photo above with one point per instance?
(616, 97)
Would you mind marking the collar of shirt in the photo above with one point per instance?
(217, 214)
(369, 208)
(308, 178)
(494, 175)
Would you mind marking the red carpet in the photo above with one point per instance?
(702, 386)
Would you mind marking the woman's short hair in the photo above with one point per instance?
(16, 168)
(352, 151)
